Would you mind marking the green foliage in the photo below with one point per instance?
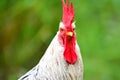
(28, 26)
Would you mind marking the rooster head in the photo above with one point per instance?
(67, 35)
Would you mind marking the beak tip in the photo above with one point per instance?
(69, 34)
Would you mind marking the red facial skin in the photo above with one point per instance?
(68, 42)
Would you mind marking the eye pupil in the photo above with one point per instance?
(73, 29)
(61, 30)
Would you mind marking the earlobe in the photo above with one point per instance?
(73, 24)
(61, 25)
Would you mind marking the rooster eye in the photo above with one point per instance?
(73, 29)
(61, 29)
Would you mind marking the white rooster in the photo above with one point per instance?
(62, 60)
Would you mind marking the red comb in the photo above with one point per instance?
(68, 13)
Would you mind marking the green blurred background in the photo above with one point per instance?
(28, 26)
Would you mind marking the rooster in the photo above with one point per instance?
(62, 60)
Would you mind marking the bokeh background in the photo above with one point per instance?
(28, 26)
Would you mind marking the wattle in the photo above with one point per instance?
(69, 52)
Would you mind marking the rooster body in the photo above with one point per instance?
(62, 59)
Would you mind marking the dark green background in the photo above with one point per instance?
(28, 26)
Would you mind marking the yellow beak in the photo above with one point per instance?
(69, 34)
